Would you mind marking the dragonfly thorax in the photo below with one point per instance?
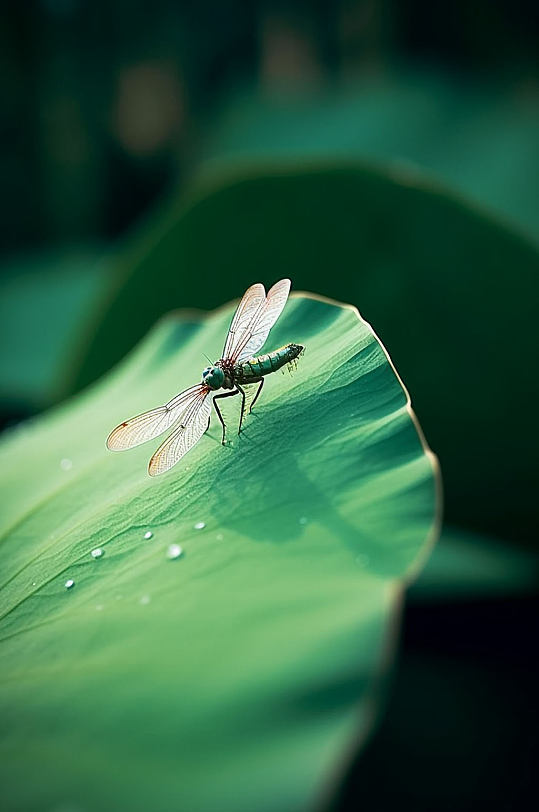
(214, 377)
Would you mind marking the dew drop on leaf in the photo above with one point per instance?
(66, 464)
(174, 551)
(302, 519)
(148, 534)
(69, 583)
(145, 600)
(200, 525)
(219, 537)
(97, 553)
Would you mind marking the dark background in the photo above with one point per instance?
(110, 109)
(108, 105)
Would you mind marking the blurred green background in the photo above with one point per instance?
(166, 154)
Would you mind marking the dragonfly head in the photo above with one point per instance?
(214, 377)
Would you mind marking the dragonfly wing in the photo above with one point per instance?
(194, 424)
(150, 424)
(263, 320)
(253, 299)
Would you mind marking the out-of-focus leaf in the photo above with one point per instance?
(44, 306)
(465, 565)
(237, 676)
(481, 142)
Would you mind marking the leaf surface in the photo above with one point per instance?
(239, 675)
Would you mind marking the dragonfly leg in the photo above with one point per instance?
(258, 391)
(242, 393)
(217, 409)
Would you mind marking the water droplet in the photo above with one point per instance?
(69, 583)
(302, 519)
(174, 551)
(145, 600)
(148, 534)
(97, 553)
(33, 583)
(362, 560)
(66, 464)
(200, 525)
(219, 537)
(99, 607)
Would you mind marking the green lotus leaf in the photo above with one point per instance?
(241, 674)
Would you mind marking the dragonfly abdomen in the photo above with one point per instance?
(254, 369)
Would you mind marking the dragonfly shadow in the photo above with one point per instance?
(282, 517)
(287, 471)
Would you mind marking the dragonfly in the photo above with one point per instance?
(188, 413)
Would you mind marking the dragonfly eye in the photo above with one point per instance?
(213, 377)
